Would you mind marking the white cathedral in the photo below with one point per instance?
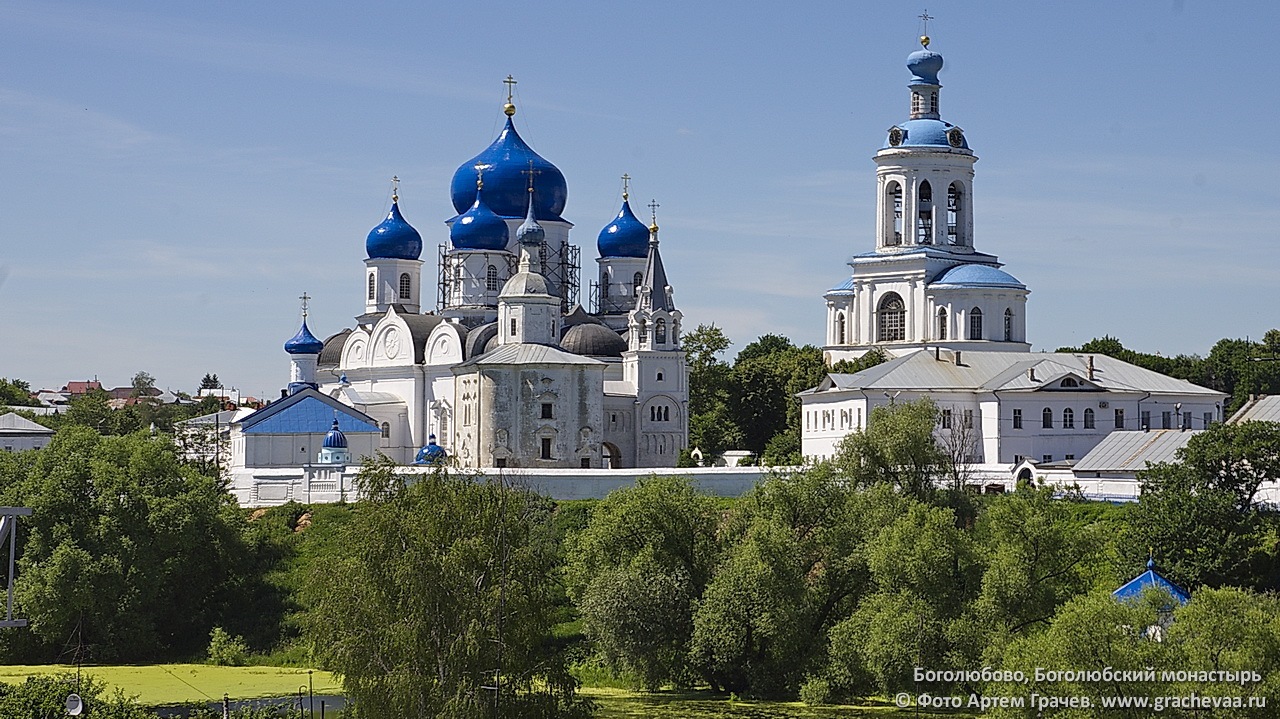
(954, 324)
(507, 370)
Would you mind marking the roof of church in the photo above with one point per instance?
(1132, 451)
(655, 278)
(303, 343)
(974, 275)
(479, 228)
(520, 353)
(924, 132)
(393, 238)
(506, 162)
(307, 411)
(331, 355)
(593, 340)
(478, 338)
(1006, 371)
(14, 423)
(1150, 579)
(625, 236)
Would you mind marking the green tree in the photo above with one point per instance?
(438, 600)
(897, 447)
(126, 550)
(766, 378)
(142, 383)
(636, 571)
(210, 381)
(1199, 512)
(872, 358)
(43, 696)
(16, 393)
(711, 428)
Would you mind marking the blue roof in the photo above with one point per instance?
(307, 412)
(303, 343)
(924, 66)
(1149, 579)
(626, 236)
(393, 238)
(506, 183)
(844, 288)
(335, 439)
(977, 276)
(479, 228)
(926, 133)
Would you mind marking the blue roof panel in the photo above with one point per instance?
(307, 412)
(1148, 580)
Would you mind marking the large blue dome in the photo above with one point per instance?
(626, 236)
(977, 276)
(927, 133)
(303, 343)
(479, 228)
(924, 66)
(506, 182)
(393, 238)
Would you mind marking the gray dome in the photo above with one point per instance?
(593, 340)
(479, 337)
(524, 283)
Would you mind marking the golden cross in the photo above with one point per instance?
(653, 210)
(531, 172)
(305, 298)
(926, 17)
(395, 188)
(626, 186)
(510, 82)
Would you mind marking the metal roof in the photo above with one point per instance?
(307, 412)
(13, 423)
(1131, 451)
(1136, 587)
(1262, 409)
(528, 354)
(930, 369)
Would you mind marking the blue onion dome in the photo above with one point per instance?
(506, 164)
(479, 228)
(335, 439)
(924, 66)
(304, 343)
(626, 236)
(530, 232)
(394, 238)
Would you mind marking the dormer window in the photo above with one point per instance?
(1069, 383)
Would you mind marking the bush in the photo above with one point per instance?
(226, 650)
(815, 691)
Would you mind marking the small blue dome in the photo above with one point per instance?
(626, 236)
(506, 183)
(479, 228)
(978, 276)
(924, 66)
(335, 439)
(926, 133)
(303, 343)
(530, 232)
(394, 238)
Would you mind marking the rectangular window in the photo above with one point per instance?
(546, 410)
(546, 448)
(513, 327)
(968, 419)
(1017, 458)
(1017, 419)
(1046, 458)
(1186, 420)
(1119, 419)
(946, 419)
(1208, 419)
(1166, 420)
(1146, 419)
(586, 463)
(500, 462)
(1069, 456)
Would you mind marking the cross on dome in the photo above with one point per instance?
(305, 299)
(925, 17)
(395, 188)
(510, 107)
(626, 186)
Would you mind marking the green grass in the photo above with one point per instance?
(156, 684)
(623, 704)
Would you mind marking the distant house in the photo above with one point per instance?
(75, 389)
(19, 433)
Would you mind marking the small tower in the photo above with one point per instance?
(304, 351)
(334, 448)
(655, 364)
(393, 274)
(623, 245)
(527, 311)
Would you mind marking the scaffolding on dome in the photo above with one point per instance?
(562, 275)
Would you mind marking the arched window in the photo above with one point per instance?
(636, 279)
(644, 332)
(933, 103)
(386, 430)
(659, 375)
(840, 328)
(666, 413)
(653, 414)
(954, 200)
(975, 324)
(1046, 418)
(373, 287)
(604, 286)
(892, 319)
(1008, 325)
(1070, 382)
(893, 193)
(924, 221)
(406, 285)
(491, 279)
(1068, 418)
(1088, 418)
(942, 323)
(660, 331)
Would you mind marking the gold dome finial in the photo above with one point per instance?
(509, 108)
(480, 176)
(924, 41)
(626, 187)
(653, 214)
(395, 189)
(925, 17)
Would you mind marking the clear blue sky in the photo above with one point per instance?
(174, 175)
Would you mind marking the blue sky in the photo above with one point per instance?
(174, 175)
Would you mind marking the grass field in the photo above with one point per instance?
(156, 684)
(623, 704)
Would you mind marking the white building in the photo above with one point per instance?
(955, 323)
(17, 433)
